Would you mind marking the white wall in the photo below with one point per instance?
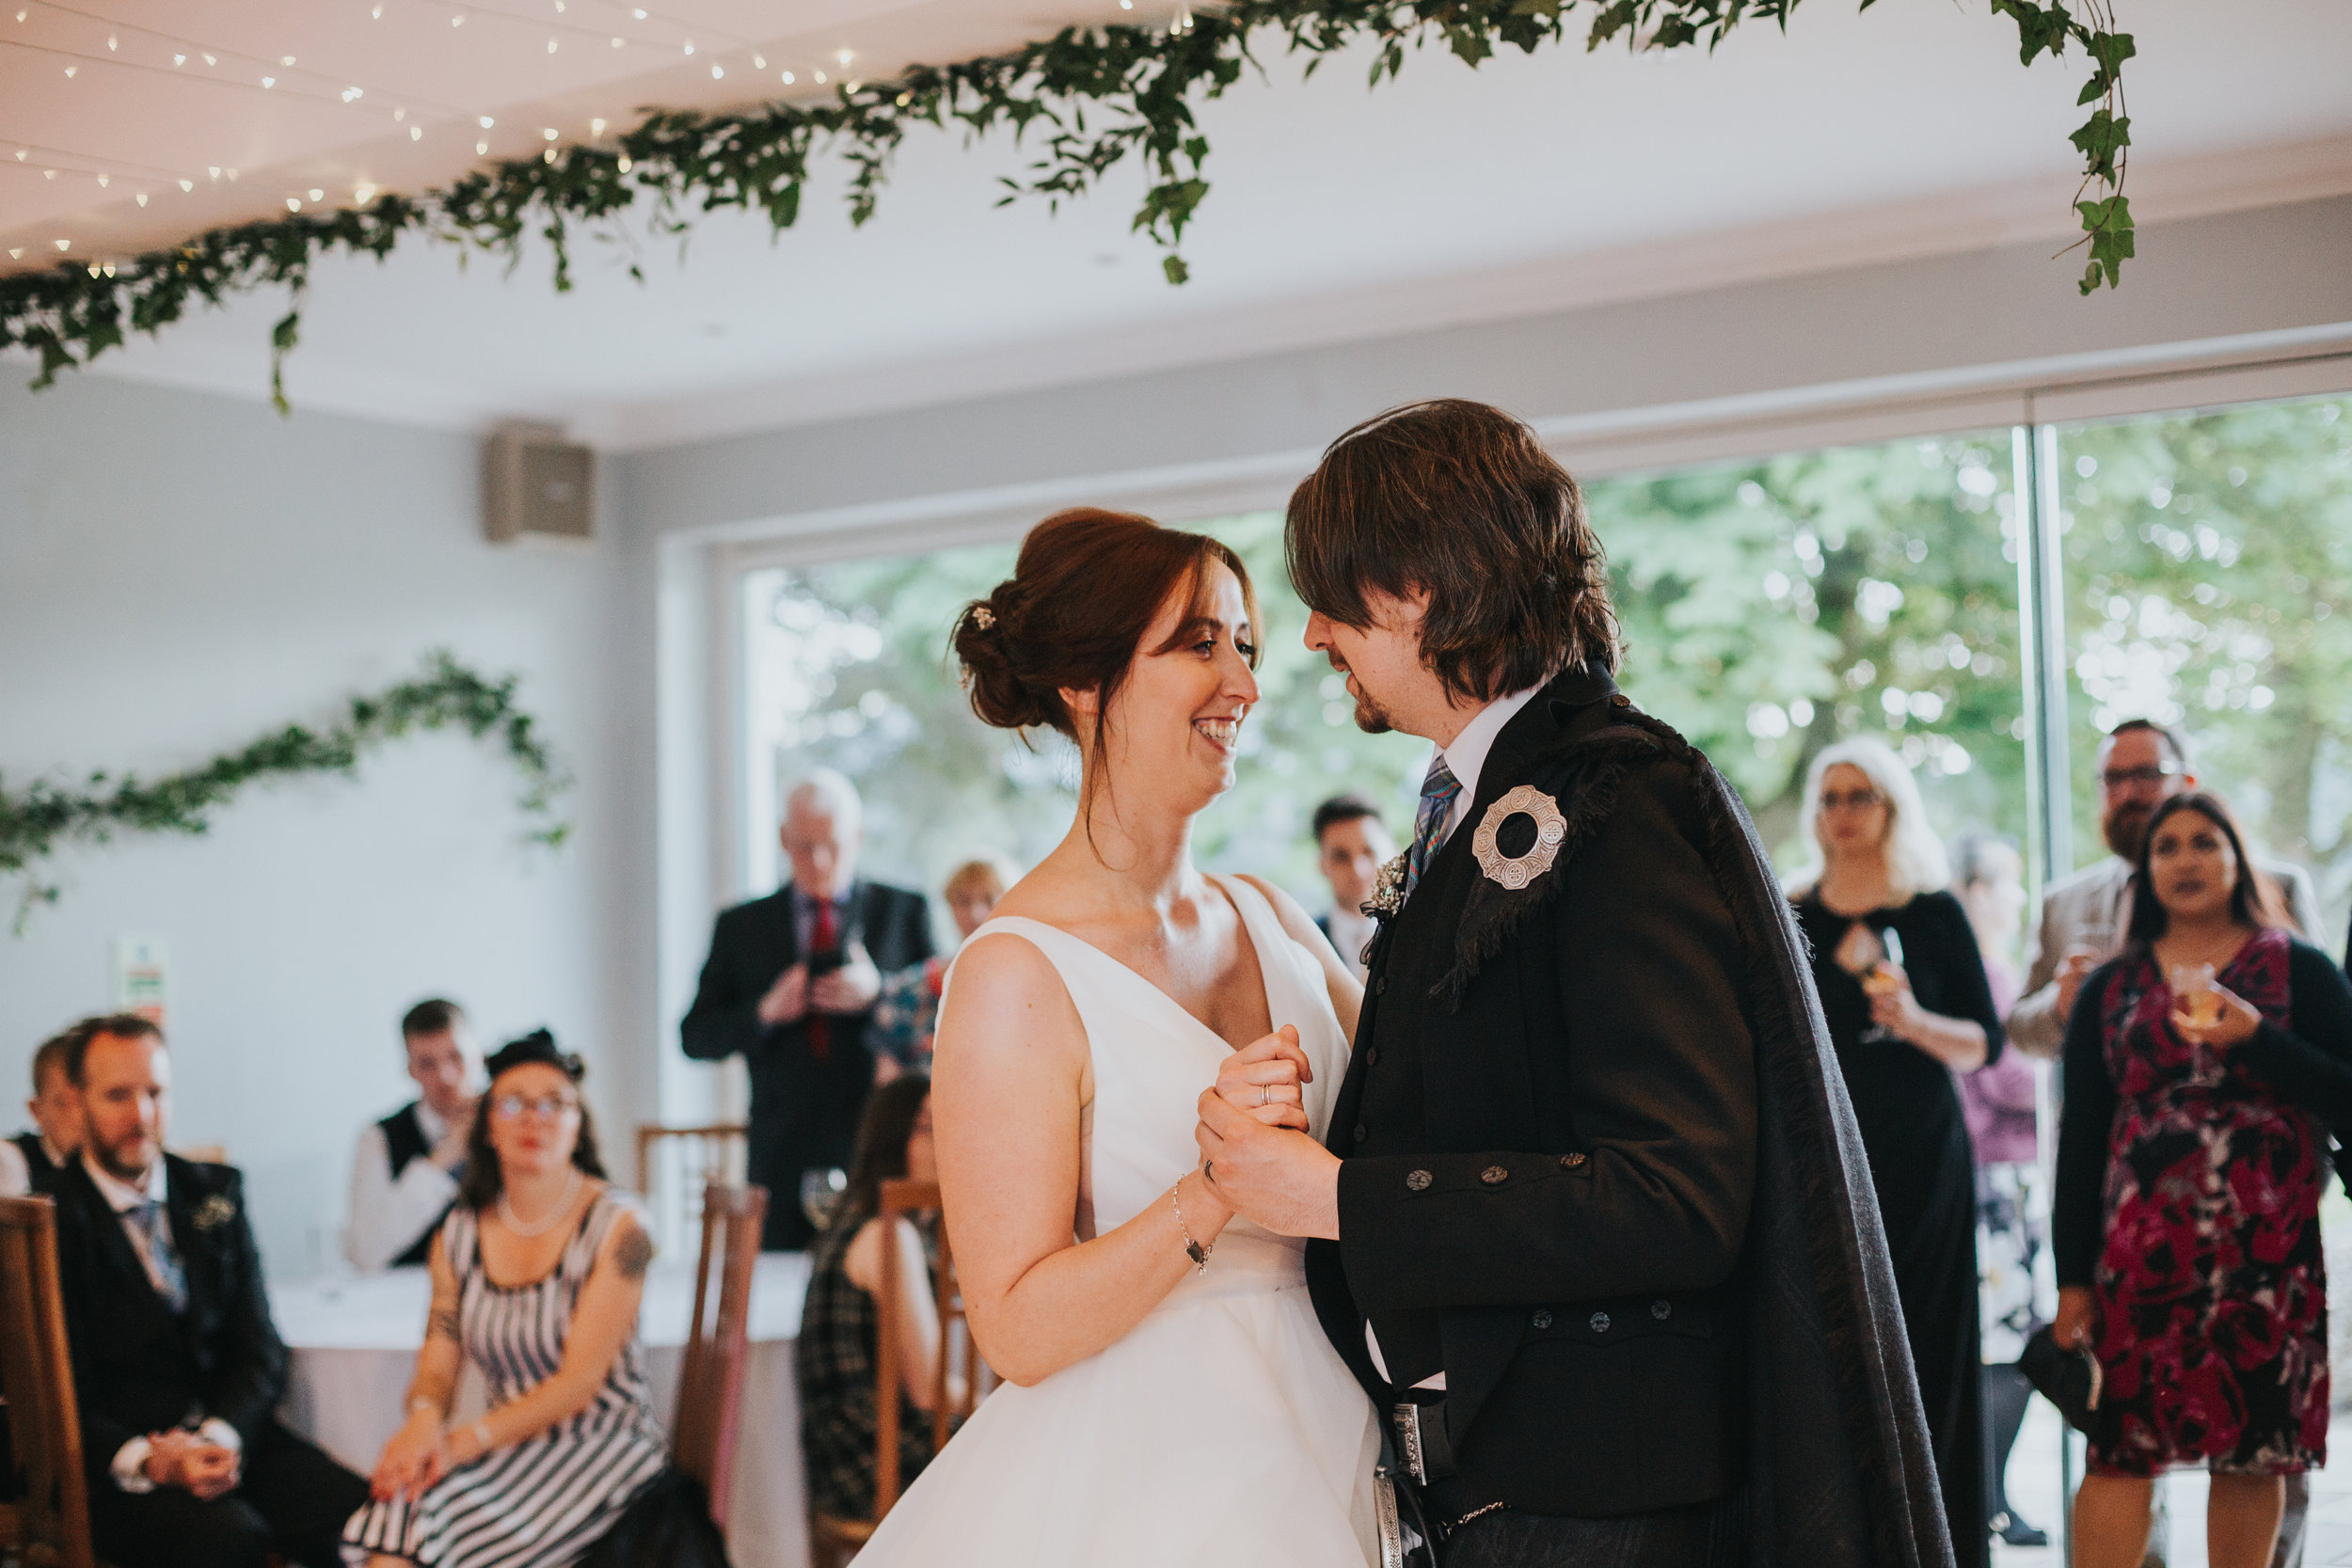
(180, 573)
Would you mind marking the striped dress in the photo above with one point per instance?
(544, 1501)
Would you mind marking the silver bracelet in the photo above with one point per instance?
(1194, 1250)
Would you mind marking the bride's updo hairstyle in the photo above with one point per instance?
(1072, 615)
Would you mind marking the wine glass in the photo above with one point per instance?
(820, 1194)
(1866, 953)
(2194, 996)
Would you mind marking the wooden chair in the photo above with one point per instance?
(718, 1341)
(676, 1165)
(51, 1524)
(204, 1154)
(835, 1540)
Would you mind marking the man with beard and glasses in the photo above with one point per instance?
(2084, 916)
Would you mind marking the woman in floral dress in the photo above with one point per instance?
(2191, 1154)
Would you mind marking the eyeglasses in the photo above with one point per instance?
(1851, 799)
(548, 1107)
(2117, 779)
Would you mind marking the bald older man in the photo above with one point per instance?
(789, 983)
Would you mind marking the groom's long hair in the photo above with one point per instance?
(1460, 500)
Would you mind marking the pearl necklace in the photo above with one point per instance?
(540, 1228)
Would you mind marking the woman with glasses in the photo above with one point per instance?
(536, 1278)
(2205, 1067)
(1903, 988)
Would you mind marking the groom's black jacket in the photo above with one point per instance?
(1597, 1169)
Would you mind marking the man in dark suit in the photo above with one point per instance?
(30, 1162)
(175, 1366)
(1593, 1227)
(789, 983)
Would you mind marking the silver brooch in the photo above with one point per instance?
(1388, 890)
(1552, 829)
(213, 1212)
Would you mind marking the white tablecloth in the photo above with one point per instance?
(355, 1341)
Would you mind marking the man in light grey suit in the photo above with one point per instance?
(2084, 916)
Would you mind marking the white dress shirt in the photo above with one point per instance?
(130, 1461)
(1350, 930)
(388, 1215)
(1466, 759)
(16, 1177)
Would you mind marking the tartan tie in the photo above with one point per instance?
(822, 935)
(171, 1281)
(1437, 792)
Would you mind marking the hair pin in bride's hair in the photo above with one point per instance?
(983, 617)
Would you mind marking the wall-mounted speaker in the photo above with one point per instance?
(536, 485)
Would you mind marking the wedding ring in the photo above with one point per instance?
(1265, 1094)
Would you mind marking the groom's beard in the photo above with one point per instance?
(1371, 717)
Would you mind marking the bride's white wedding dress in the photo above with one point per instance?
(1224, 1429)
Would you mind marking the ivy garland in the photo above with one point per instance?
(39, 820)
(1137, 85)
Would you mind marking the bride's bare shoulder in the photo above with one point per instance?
(1005, 991)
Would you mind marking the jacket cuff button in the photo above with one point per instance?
(1599, 1323)
(1419, 1180)
(1494, 1176)
(1542, 1317)
(1661, 1310)
(1569, 1162)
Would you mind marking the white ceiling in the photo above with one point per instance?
(1335, 212)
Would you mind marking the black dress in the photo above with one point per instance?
(1916, 1139)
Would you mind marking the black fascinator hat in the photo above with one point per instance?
(538, 1046)
(484, 1180)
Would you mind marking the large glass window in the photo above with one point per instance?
(2208, 564)
(1769, 608)
(1773, 608)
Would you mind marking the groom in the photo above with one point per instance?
(1595, 1230)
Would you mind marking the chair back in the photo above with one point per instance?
(36, 1375)
(718, 1341)
(954, 1399)
(676, 1165)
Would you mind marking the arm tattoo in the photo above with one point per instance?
(633, 1253)
(444, 1322)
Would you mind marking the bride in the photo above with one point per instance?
(1170, 1399)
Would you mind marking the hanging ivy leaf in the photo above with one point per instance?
(42, 818)
(1140, 84)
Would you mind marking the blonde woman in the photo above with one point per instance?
(1903, 987)
(906, 1014)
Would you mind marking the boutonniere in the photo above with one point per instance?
(1388, 890)
(213, 1212)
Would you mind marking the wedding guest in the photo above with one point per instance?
(1351, 845)
(906, 1013)
(537, 1274)
(840, 1322)
(790, 984)
(2202, 1075)
(2001, 1102)
(406, 1173)
(175, 1366)
(2141, 764)
(1903, 1026)
(30, 1160)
